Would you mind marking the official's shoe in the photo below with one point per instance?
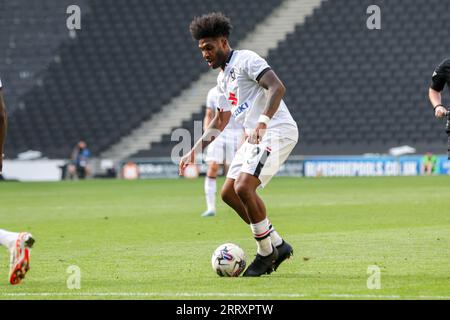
(208, 213)
(262, 265)
(285, 251)
(20, 258)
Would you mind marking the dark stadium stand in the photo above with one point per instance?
(31, 32)
(130, 58)
(354, 90)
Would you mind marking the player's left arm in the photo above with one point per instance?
(275, 92)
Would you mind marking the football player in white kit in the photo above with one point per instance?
(220, 152)
(251, 92)
(18, 244)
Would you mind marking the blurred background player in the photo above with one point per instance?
(429, 164)
(79, 166)
(18, 244)
(220, 152)
(250, 91)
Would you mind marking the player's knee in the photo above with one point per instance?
(243, 190)
(212, 169)
(227, 194)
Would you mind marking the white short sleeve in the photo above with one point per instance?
(0, 83)
(224, 104)
(254, 65)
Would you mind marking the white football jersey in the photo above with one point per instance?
(241, 94)
(212, 102)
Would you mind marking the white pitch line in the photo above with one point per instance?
(217, 294)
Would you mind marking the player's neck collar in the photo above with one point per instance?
(228, 59)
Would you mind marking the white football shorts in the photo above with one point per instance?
(262, 160)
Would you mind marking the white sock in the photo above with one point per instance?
(210, 193)
(8, 239)
(274, 236)
(261, 232)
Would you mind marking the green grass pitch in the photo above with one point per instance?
(146, 239)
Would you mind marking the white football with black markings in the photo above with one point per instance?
(228, 260)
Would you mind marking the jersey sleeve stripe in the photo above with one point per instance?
(262, 73)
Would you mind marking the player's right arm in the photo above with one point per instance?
(217, 124)
(212, 100)
(438, 82)
(3, 125)
(209, 115)
(436, 100)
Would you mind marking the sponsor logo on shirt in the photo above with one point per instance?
(240, 109)
(233, 99)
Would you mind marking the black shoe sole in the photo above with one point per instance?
(258, 275)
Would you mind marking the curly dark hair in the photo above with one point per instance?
(211, 25)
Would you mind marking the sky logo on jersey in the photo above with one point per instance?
(233, 99)
(240, 109)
